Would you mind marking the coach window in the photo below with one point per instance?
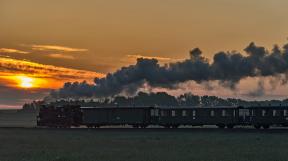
(247, 112)
(152, 112)
(212, 113)
(156, 112)
(173, 113)
(285, 113)
(274, 113)
(184, 113)
(162, 113)
(194, 113)
(223, 113)
(263, 112)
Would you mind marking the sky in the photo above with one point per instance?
(46, 43)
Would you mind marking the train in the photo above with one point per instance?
(168, 117)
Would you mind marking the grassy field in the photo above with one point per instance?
(15, 118)
(199, 144)
(25, 144)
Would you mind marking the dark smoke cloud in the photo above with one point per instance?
(227, 67)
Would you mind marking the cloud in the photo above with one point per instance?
(136, 56)
(9, 66)
(61, 56)
(5, 106)
(56, 48)
(7, 50)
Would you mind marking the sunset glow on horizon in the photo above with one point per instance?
(36, 80)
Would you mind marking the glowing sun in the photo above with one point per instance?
(25, 82)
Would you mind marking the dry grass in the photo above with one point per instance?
(199, 144)
(142, 144)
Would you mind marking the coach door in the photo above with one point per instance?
(244, 115)
(154, 115)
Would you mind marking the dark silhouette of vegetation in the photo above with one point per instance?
(164, 99)
(156, 99)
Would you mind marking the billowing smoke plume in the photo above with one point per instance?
(227, 67)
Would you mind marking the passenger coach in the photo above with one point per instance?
(101, 116)
(168, 117)
(263, 116)
(174, 117)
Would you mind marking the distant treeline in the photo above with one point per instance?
(164, 99)
(157, 99)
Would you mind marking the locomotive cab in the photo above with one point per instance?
(59, 116)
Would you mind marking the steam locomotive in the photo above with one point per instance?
(169, 117)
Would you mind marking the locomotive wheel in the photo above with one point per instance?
(257, 126)
(174, 126)
(221, 126)
(266, 126)
(89, 126)
(135, 126)
(167, 126)
(230, 126)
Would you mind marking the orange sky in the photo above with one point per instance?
(97, 36)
